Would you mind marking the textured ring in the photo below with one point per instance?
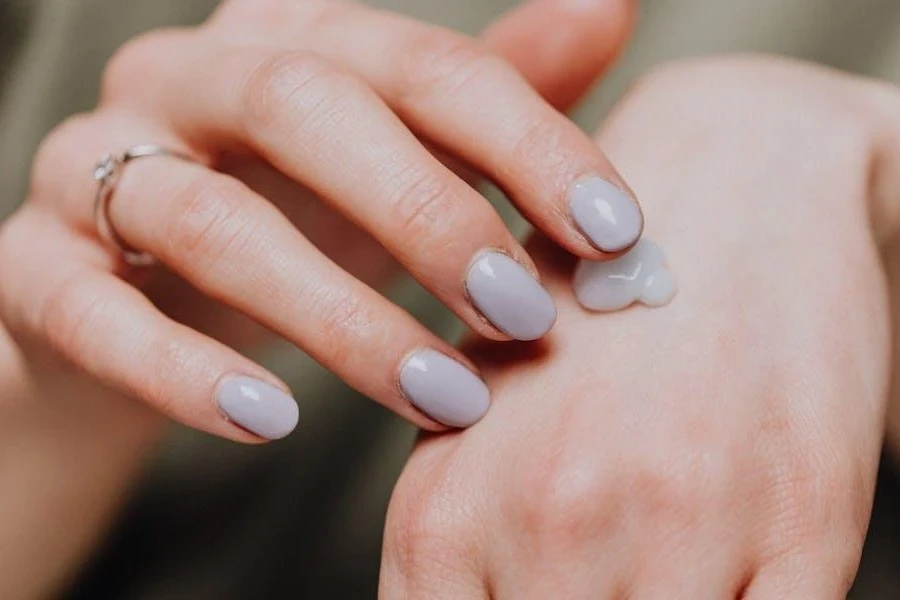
(108, 174)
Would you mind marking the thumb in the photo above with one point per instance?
(562, 46)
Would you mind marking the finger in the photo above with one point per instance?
(182, 213)
(109, 330)
(578, 41)
(238, 249)
(586, 37)
(454, 92)
(333, 134)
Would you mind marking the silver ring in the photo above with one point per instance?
(108, 174)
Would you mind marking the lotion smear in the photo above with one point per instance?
(637, 276)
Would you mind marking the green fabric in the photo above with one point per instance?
(303, 517)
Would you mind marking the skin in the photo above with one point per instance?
(742, 464)
(70, 447)
(238, 268)
(724, 446)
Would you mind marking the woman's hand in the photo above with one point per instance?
(283, 101)
(70, 446)
(724, 446)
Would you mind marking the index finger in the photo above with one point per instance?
(455, 92)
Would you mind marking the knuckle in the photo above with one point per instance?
(541, 142)
(292, 91)
(438, 62)
(69, 315)
(209, 222)
(569, 503)
(350, 323)
(424, 206)
(137, 58)
(672, 497)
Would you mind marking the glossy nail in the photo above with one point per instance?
(509, 297)
(640, 275)
(258, 407)
(606, 214)
(444, 389)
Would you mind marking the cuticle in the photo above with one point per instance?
(465, 287)
(626, 189)
(460, 358)
(405, 358)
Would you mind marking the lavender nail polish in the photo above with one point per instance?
(606, 214)
(258, 407)
(506, 293)
(444, 389)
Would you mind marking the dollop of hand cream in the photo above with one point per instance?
(640, 275)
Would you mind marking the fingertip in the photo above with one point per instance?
(510, 296)
(580, 39)
(258, 407)
(443, 389)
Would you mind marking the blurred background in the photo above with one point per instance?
(201, 525)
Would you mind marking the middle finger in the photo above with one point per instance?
(469, 101)
(332, 133)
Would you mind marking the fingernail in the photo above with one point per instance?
(508, 296)
(606, 214)
(444, 389)
(258, 407)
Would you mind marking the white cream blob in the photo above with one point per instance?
(640, 275)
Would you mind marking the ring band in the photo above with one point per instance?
(107, 174)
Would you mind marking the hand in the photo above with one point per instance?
(70, 446)
(274, 94)
(724, 446)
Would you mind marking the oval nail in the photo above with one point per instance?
(605, 214)
(509, 297)
(258, 407)
(444, 389)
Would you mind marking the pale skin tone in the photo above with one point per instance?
(594, 476)
(726, 445)
(243, 246)
(52, 517)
